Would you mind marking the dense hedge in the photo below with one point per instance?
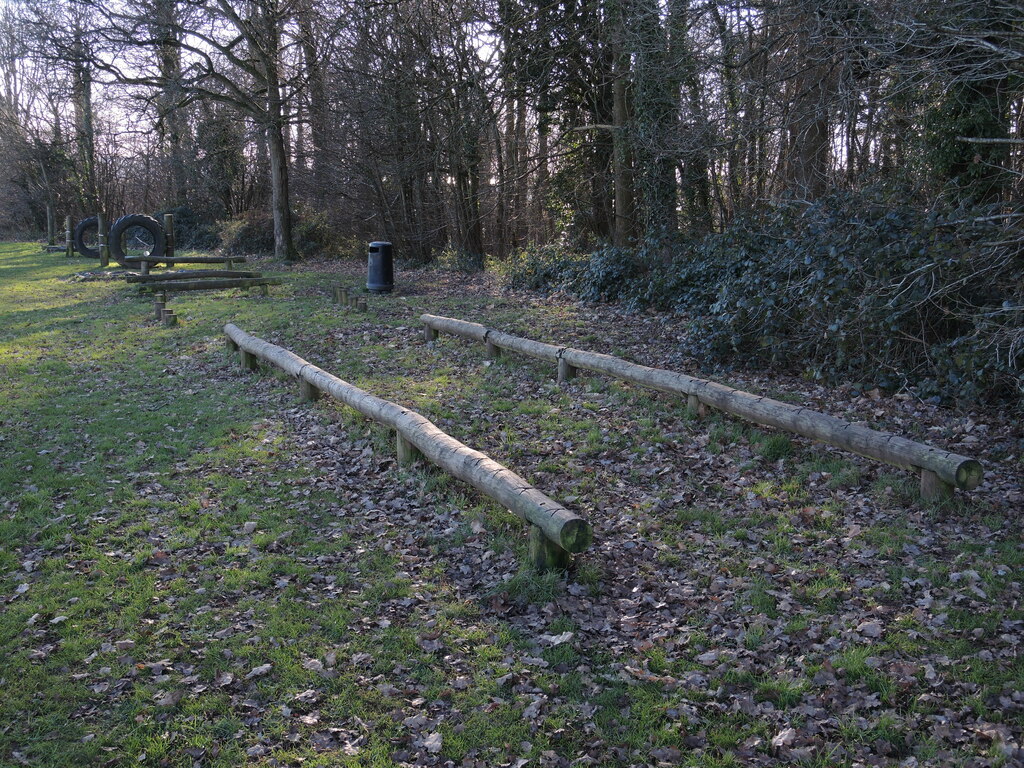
(857, 287)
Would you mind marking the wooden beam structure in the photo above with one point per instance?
(941, 471)
(210, 285)
(417, 435)
(191, 274)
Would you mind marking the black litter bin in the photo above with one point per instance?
(380, 268)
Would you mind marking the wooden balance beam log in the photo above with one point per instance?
(559, 531)
(192, 274)
(172, 260)
(210, 285)
(941, 471)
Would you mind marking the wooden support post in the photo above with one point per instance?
(336, 295)
(170, 318)
(566, 372)
(934, 488)
(232, 345)
(169, 235)
(429, 333)
(248, 360)
(264, 290)
(69, 238)
(493, 351)
(343, 296)
(143, 267)
(229, 264)
(308, 393)
(544, 554)
(159, 306)
(361, 306)
(694, 404)
(407, 452)
(101, 237)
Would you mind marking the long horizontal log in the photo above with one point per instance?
(209, 285)
(191, 274)
(563, 527)
(198, 260)
(961, 471)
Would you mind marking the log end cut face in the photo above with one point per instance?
(969, 474)
(576, 535)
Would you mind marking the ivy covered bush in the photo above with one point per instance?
(859, 287)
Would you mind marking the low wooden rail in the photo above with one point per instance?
(941, 471)
(199, 260)
(208, 285)
(191, 274)
(555, 532)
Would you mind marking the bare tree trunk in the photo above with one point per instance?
(85, 133)
(171, 120)
(621, 156)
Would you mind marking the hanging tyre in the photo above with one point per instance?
(87, 237)
(136, 238)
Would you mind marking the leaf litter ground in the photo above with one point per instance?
(199, 570)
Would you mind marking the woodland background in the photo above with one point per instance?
(832, 186)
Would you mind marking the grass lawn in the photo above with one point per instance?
(197, 569)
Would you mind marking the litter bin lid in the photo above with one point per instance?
(379, 243)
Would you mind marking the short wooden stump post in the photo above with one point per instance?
(429, 333)
(308, 393)
(231, 344)
(361, 306)
(934, 488)
(159, 307)
(169, 235)
(407, 452)
(566, 372)
(694, 404)
(343, 296)
(101, 239)
(544, 554)
(69, 238)
(493, 351)
(248, 360)
(170, 318)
